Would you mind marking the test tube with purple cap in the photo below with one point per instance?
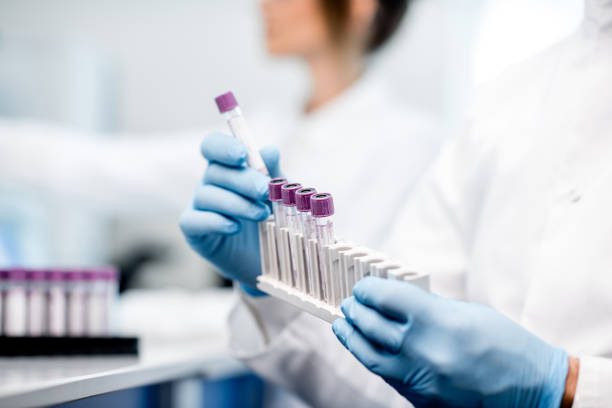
(228, 107)
(275, 196)
(292, 223)
(307, 228)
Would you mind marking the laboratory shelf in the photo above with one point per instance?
(43, 381)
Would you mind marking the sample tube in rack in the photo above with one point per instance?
(76, 302)
(291, 222)
(322, 209)
(306, 227)
(37, 302)
(15, 303)
(275, 196)
(56, 303)
(291, 216)
(228, 107)
(96, 318)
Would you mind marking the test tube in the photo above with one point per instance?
(37, 302)
(96, 319)
(56, 303)
(275, 196)
(15, 303)
(292, 223)
(112, 291)
(3, 284)
(76, 302)
(228, 107)
(322, 209)
(306, 225)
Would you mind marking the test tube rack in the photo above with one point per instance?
(334, 270)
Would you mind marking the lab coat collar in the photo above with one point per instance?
(599, 14)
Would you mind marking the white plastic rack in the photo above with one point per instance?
(334, 270)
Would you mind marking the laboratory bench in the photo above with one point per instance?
(45, 381)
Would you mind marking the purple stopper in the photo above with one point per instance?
(302, 198)
(274, 188)
(35, 275)
(110, 273)
(226, 102)
(288, 193)
(55, 275)
(16, 274)
(322, 205)
(75, 275)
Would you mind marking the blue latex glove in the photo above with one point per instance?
(221, 222)
(441, 352)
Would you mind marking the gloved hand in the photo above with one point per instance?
(441, 352)
(221, 222)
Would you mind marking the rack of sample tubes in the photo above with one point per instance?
(304, 263)
(57, 302)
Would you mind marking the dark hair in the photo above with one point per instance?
(387, 19)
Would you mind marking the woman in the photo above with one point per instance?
(330, 146)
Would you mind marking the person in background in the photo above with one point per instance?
(513, 224)
(346, 104)
(337, 141)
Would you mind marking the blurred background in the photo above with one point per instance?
(139, 77)
(150, 69)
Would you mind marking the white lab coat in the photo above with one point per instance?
(515, 214)
(368, 150)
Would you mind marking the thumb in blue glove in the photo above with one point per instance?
(441, 352)
(220, 224)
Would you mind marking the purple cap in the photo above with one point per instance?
(226, 102)
(35, 275)
(302, 198)
(55, 275)
(74, 275)
(109, 273)
(274, 188)
(288, 193)
(93, 274)
(16, 274)
(322, 205)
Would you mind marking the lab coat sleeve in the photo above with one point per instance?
(135, 175)
(594, 389)
(300, 353)
(432, 231)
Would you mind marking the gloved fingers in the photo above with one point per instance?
(198, 224)
(398, 300)
(375, 327)
(216, 199)
(244, 181)
(377, 361)
(224, 149)
(271, 157)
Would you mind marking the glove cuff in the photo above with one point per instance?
(554, 386)
(252, 291)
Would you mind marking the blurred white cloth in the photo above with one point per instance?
(135, 175)
(368, 150)
(514, 215)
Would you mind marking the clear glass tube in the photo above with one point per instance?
(37, 304)
(15, 308)
(57, 309)
(307, 228)
(279, 213)
(292, 224)
(242, 132)
(324, 232)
